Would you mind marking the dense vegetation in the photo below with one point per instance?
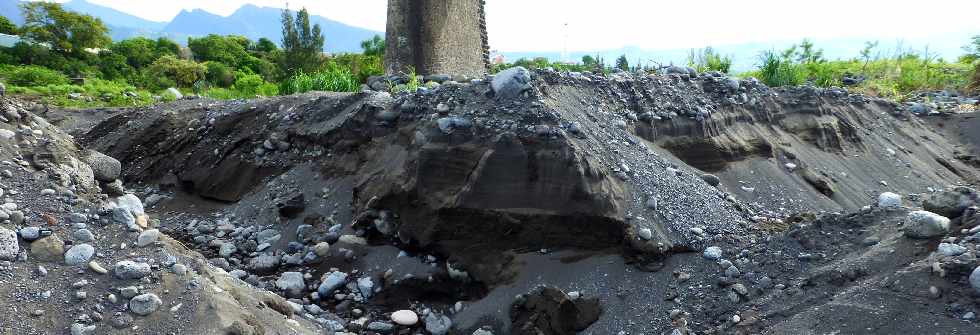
(67, 58)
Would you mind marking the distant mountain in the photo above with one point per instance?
(250, 21)
(112, 17)
(10, 10)
(254, 22)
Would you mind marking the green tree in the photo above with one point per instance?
(170, 71)
(7, 27)
(219, 74)
(622, 63)
(139, 51)
(166, 46)
(216, 48)
(65, 31)
(303, 45)
(588, 60)
(374, 46)
(265, 46)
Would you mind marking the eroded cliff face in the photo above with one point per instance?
(583, 162)
(454, 194)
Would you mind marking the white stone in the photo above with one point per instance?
(889, 200)
(405, 317)
(646, 234)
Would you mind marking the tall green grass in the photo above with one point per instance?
(894, 75)
(335, 80)
(707, 59)
(93, 93)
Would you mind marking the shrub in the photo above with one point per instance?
(170, 71)
(332, 79)
(219, 74)
(776, 70)
(32, 75)
(708, 59)
(250, 85)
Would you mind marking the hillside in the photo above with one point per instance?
(251, 21)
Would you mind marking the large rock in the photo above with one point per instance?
(889, 200)
(105, 168)
(145, 304)
(438, 324)
(951, 203)
(331, 282)
(131, 270)
(548, 310)
(975, 279)
(925, 224)
(8, 244)
(511, 83)
(79, 254)
(292, 283)
(48, 249)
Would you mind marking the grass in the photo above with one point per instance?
(93, 93)
(334, 79)
(895, 76)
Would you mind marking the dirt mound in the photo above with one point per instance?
(450, 202)
(62, 268)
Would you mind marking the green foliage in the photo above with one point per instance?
(707, 59)
(903, 72)
(302, 45)
(139, 52)
(622, 63)
(592, 64)
(331, 79)
(219, 74)
(412, 85)
(32, 75)
(251, 85)
(94, 93)
(361, 66)
(169, 71)
(216, 48)
(65, 31)
(265, 46)
(374, 46)
(7, 27)
(777, 70)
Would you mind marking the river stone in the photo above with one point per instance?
(331, 282)
(712, 253)
(405, 317)
(292, 283)
(79, 254)
(889, 200)
(975, 279)
(923, 225)
(145, 304)
(48, 249)
(8, 244)
(104, 168)
(131, 270)
(147, 237)
(511, 83)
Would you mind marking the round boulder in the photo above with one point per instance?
(8, 244)
(889, 200)
(925, 224)
(405, 317)
(79, 254)
(511, 83)
(145, 304)
(105, 168)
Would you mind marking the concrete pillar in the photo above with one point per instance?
(436, 37)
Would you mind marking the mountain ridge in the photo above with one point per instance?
(248, 20)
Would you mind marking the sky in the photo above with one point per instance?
(582, 25)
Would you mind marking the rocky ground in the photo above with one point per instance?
(526, 203)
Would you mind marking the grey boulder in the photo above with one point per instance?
(511, 83)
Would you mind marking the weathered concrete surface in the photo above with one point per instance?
(436, 37)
